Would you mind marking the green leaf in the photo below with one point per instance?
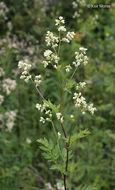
(69, 85)
(64, 154)
(79, 135)
(70, 155)
(43, 141)
(88, 188)
(53, 107)
(51, 151)
(59, 167)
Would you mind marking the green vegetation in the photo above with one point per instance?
(24, 140)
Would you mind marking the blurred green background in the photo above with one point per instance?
(23, 25)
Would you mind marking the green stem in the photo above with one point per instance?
(56, 138)
(61, 106)
(54, 130)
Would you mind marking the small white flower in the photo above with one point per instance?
(42, 120)
(80, 85)
(48, 112)
(51, 39)
(62, 28)
(28, 78)
(68, 68)
(75, 5)
(76, 14)
(59, 21)
(47, 53)
(37, 80)
(83, 49)
(55, 66)
(59, 134)
(55, 58)
(65, 40)
(38, 77)
(48, 119)
(8, 85)
(91, 109)
(60, 18)
(61, 119)
(10, 117)
(45, 63)
(59, 186)
(71, 116)
(70, 35)
(38, 106)
(80, 57)
(59, 115)
(28, 141)
(21, 64)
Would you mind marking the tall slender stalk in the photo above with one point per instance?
(61, 107)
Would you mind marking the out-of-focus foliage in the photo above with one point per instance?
(23, 24)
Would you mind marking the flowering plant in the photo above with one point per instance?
(59, 153)
(7, 85)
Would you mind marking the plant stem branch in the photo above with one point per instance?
(65, 182)
(56, 138)
(61, 106)
(37, 90)
(67, 146)
(67, 158)
(73, 73)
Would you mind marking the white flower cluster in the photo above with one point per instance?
(76, 5)
(76, 14)
(8, 119)
(8, 85)
(60, 23)
(80, 85)
(80, 57)
(51, 39)
(49, 186)
(69, 37)
(59, 116)
(50, 57)
(38, 80)
(68, 68)
(91, 108)
(1, 99)
(58, 186)
(80, 102)
(3, 9)
(25, 67)
(44, 108)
